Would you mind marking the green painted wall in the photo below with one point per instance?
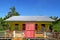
(12, 25)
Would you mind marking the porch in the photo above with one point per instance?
(20, 35)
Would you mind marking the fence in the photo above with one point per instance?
(4, 34)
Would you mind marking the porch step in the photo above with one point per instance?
(39, 35)
(17, 38)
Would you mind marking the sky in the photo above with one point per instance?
(31, 7)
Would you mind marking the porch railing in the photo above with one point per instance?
(44, 34)
(4, 34)
(19, 34)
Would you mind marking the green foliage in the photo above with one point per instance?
(1, 20)
(4, 25)
(54, 18)
(13, 12)
(56, 24)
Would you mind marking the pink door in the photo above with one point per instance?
(29, 34)
(30, 30)
(30, 26)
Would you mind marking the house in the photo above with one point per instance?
(30, 25)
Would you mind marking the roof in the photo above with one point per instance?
(29, 18)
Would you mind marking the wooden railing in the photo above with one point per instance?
(19, 34)
(4, 34)
(44, 34)
(39, 34)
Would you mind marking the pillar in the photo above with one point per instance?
(47, 27)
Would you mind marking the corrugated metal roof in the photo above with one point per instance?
(29, 18)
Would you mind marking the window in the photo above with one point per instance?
(50, 28)
(43, 25)
(16, 26)
(23, 26)
(36, 26)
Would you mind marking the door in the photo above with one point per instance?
(29, 34)
(30, 30)
(30, 26)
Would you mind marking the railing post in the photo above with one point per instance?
(5, 34)
(14, 33)
(45, 34)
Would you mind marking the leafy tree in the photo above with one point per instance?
(1, 23)
(4, 25)
(12, 12)
(54, 18)
(56, 24)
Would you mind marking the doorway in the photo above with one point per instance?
(43, 27)
(30, 30)
(30, 26)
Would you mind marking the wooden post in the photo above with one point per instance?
(5, 34)
(14, 33)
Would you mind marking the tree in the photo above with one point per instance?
(56, 24)
(1, 24)
(13, 12)
(54, 18)
(53, 23)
